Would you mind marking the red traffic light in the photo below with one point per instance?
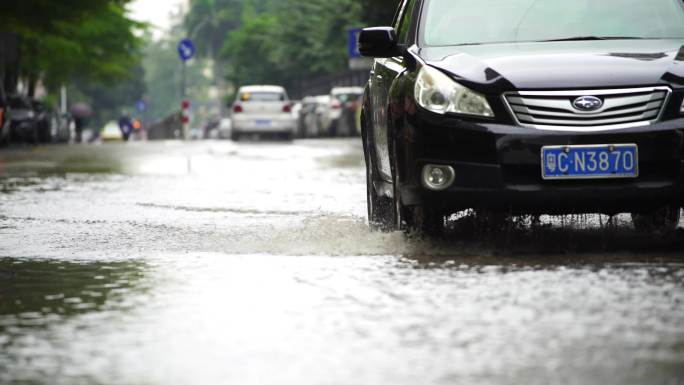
(185, 104)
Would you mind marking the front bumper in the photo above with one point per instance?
(23, 129)
(499, 167)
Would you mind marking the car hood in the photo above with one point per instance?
(562, 65)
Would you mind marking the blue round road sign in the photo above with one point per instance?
(141, 106)
(186, 49)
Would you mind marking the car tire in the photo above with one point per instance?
(381, 209)
(235, 137)
(33, 137)
(664, 220)
(44, 135)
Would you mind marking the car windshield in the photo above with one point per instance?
(459, 22)
(262, 97)
(344, 98)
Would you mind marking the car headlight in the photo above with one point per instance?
(436, 92)
(682, 108)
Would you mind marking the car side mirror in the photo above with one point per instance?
(379, 42)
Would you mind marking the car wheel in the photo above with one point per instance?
(44, 135)
(32, 137)
(381, 212)
(4, 140)
(334, 129)
(235, 137)
(381, 209)
(664, 220)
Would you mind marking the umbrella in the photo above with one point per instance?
(81, 110)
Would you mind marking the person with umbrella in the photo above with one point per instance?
(80, 112)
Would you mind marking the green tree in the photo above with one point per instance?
(110, 101)
(280, 41)
(378, 12)
(45, 16)
(96, 42)
(290, 41)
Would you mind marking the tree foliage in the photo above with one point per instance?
(210, 21)
(88, 39)
(290, 40)
(163, 71)
(283, 41)
(379, 12)
(91, 46)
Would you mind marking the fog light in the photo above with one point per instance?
(436, 177)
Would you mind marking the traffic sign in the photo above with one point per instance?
(186, 49)
(353, 46)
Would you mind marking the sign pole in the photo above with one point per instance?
(184, 93)
(186, 51)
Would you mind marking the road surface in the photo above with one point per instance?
(219, 263)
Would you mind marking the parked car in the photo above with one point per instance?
(23, 123)
(498, 107)
(4, 121)
(111, 132)
(62, 129)
(309, 121)
(52, 126)
(338, 119)
(263, 110)
(307, 108)
(224, 128)
(45, 120)
(317, 120)
(196, 133)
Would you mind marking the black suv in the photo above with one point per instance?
(23, 123)
(525, 107)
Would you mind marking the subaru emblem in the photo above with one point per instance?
(587, 103)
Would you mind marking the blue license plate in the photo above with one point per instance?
(263, 123)
(590, 162)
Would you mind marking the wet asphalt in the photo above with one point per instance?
(220, 263)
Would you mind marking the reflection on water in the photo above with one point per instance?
(45, 305)
(264, 319)
(61, 160)
(35, 289)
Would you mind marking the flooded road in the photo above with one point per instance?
(221, 263)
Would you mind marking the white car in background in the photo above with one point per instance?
(341, 99)
(225, 127)
(263, 111)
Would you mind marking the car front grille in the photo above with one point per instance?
(554, 110)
